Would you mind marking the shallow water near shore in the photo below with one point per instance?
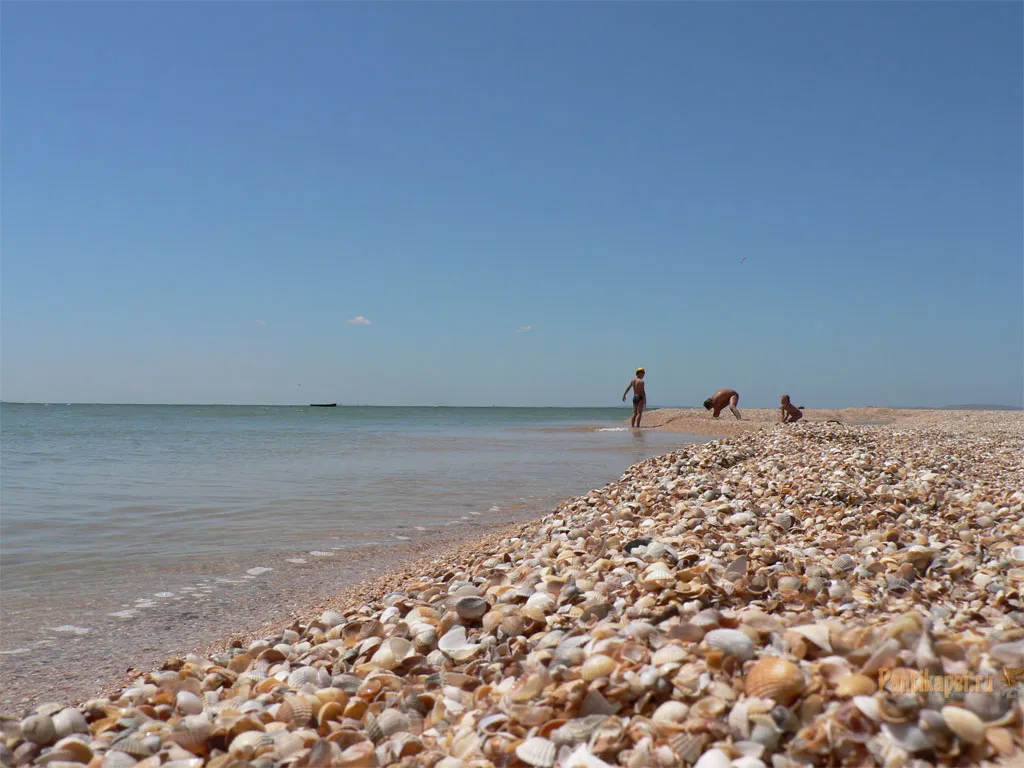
(142, 523)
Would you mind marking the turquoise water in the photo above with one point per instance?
(104, 507)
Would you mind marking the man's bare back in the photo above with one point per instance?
(720, 400)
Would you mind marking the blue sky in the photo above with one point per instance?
(198, 198)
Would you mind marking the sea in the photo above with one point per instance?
(153, 523)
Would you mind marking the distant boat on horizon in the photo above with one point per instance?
(323, 405)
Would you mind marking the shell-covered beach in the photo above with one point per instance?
(812, 594)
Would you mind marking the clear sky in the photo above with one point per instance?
(519, 202)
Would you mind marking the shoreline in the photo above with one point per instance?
(768, 498)
(698, 421)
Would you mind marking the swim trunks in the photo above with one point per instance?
(636, 399)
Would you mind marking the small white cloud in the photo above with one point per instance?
(525, 329)
(359, 320)
(257, 322)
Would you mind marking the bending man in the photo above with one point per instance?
(721, 399)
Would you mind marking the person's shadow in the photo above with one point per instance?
(639, 436)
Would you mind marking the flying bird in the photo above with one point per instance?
(743, 259)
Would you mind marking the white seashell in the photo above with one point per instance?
(713, 758)
(391, 653)
(188, 703)
(299, 677)
(731, 642)
(539, 606)
(1016, 555)
(537, 751)
(673, 653)
(582, 757)
(331, 618)
(455, 646)
(816, 633)
(69, 721)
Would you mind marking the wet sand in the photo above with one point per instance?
(73, 668)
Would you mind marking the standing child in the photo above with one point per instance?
(639, 397)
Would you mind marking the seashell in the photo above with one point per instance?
(630, 546)
(137, 746)
(689, 746)
(658, 576)
(303, 676)
(731, 642)
(852, 685)
(577, 730)
(455, 646)
(537, 751)
(816, 633)
(713, 758)
(69, 721)
(471, 608)
(331, 618)
(965, 724)
(188, 703)
(245, 744)
(669, 654)
(597, 666)
(670, 714)
(76, 748)
(295, 711)
(843, 565)
(907, 736)
(117, 759)
(1016, 555)
(775, 678)
(391, 653)
(39, 729)
(392, 721)
(539, 606)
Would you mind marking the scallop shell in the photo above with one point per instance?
(537, 752)
(775, 678)
(658, 576)
(296, 711)
(965, 724)
(302, 676)
(731, 642)
(843, 565)
(331, 618)
(246, 743)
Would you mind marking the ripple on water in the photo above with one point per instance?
(259, 569)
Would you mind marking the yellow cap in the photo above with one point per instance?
(640, 370)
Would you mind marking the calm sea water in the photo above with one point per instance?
(109, 509)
